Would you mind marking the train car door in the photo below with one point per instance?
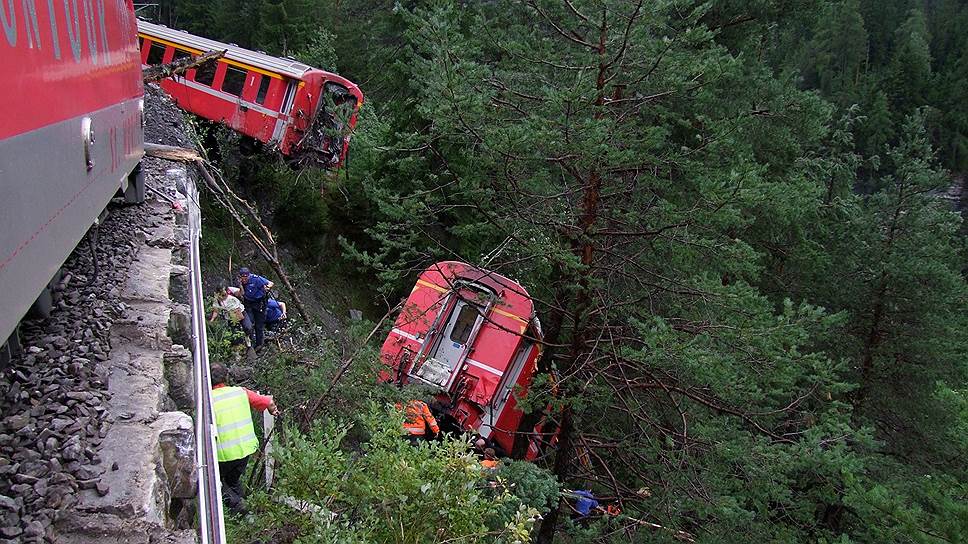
(279, 133)
(445, 356)
(504, 391)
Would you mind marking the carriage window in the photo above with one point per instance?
(263, 90)
(234, 81)
(341, 105)
(464, 324)
(156, 53)
(205, 74)
(181, 54)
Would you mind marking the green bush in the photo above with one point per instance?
(225, 341)
(385, 491)
(530, 486)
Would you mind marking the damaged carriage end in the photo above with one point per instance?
(325, 136)
(473, 337)
(306, 113)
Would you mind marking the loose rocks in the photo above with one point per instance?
(54, 396)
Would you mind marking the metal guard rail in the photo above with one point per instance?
(211, 519)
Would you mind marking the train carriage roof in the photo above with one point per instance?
(515, 301)
(282, 66)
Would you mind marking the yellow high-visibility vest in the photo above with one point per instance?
(233, 418)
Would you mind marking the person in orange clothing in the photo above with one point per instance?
(417, 418)
(236, 440)
(490, 461)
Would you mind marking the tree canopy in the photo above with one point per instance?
(734, 219)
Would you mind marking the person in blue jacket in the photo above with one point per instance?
(275, 312)
(255, 298)
(585, 503)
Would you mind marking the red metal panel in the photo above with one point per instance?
(81, 46)
(69, 68)
(500, 361)
(296, 120)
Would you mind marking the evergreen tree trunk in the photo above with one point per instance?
(874, 333)
(546, 535)
(585, 249)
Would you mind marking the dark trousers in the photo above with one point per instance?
(256, 310)
(246, 324)
(230, 472)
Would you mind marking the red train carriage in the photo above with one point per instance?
(70, 135)
(473, 336)
(308, 113)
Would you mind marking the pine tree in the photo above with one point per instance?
(900, 259)
(631, 193)
(909, 73)
(840, 51)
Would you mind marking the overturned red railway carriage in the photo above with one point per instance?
(308, 113)
(473, 336)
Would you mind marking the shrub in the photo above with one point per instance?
(386, 491)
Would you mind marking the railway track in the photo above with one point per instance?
(95, 441)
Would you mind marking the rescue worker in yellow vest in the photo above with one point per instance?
(236, 439)
(417, 418)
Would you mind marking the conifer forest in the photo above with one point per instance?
(742, 227)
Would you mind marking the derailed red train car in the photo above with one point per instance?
(70, 138)
(473, 336)
(308, 113)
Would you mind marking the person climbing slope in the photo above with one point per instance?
(255, 296)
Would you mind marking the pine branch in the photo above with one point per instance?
(158, 72)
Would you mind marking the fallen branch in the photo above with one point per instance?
(222, 192)
(681, 536)
(158, 72)
(226, 198)
(171, 153)
(345, 366)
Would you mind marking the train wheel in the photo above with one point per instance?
(41, 307)
(135, 193)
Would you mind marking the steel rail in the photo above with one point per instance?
(211, 519)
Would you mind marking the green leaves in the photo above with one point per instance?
(728, 216)
(390, 491)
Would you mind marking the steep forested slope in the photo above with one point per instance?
(727, 213)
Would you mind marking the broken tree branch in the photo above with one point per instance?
(223, 191)
(171, 153)
(345, 366)
(158, 72)
(226, 197)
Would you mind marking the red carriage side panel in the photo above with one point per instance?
(71, 132)
(308, 113)
(268, 92)
(42, 53)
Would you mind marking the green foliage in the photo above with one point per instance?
(530, 486)
(840, 51)
(302, 376)
(728, 216)
(225, 340)
(388, 491)
(318, 50)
